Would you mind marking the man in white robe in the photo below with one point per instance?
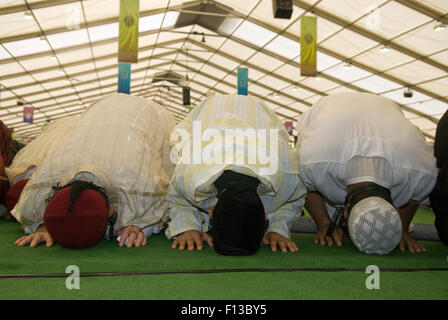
(354, 146)
(120, 147)
(229, 142)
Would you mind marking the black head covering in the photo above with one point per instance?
(238, 222)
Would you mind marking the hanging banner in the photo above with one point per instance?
(186, 96)
(289, 127)
(308, 46)
(128, 31)
(124, 78)
(28, 113)
(243, 77)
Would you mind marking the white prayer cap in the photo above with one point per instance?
(374, 226)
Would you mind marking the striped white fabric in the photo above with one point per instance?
(122, 142)
(191, 192)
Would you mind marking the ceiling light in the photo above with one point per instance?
(295, 88)
(28, 15)
(385, 49)
(53, 57)
(347, 65)
(61, 71)
(440, 27)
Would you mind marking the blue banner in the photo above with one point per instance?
(243, 77)
(124, 78)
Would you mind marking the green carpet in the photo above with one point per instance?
(238, 286)
(158, 255)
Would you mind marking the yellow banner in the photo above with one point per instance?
(128, 31)
(308, 46)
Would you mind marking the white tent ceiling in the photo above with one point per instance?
(60, 55)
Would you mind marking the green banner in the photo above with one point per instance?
(128, 31)
(308, 44)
